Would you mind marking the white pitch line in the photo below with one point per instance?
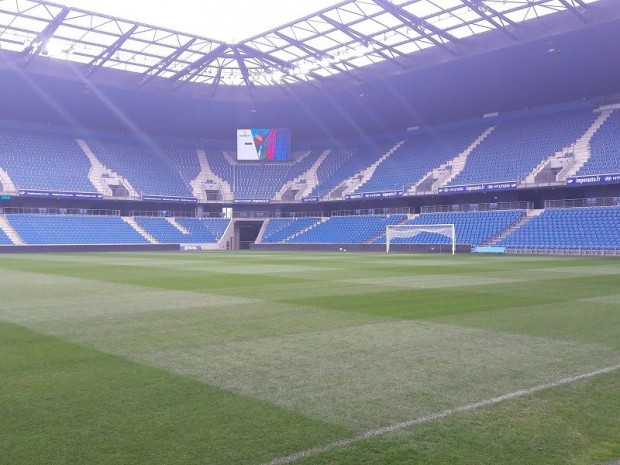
(435, 416)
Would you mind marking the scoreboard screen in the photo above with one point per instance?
(263, 144)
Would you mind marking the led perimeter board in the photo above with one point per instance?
(263, 144)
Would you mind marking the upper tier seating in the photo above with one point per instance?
(472, 228)
(569, 228)
(151, 170)
(279, 229)
(74, 229)
(347, 229)
(516, 147)
(259, 180)
(221, 167)
(185, 161)
(604, 148)
(45, 161)
(416, 157)
(342, 164)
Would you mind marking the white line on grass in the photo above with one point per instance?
(435, 416)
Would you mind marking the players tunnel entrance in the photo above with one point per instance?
(246, 232)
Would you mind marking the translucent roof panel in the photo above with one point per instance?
(339, 39)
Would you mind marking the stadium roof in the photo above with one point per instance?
(344, 40)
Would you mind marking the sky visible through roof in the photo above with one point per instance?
(258, 49)
(226, 20)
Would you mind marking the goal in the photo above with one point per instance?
(394, 231)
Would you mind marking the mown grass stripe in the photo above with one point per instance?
(437, 416)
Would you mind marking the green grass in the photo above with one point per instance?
(243, 358)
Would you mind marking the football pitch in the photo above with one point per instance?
(309, 358)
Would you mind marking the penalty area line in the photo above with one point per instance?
(436, 416)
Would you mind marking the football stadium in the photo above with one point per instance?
(361, 232)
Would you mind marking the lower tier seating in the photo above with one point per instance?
(199, 230)
(4, 239)
(204, 229)
(474, 228)
(347, 229)
(594, 228)
(569, 228)
(162, 230)
(74, 229)
(280, 229)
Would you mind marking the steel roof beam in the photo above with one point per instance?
(310, 50)
(160, 67)
(217, 78)
(40, 41)
(348, 71)
(419, 25)
(363, 39)
(316, 53)
(243, 68)
(491, 15)
(200, 64)
(569, 6)
(108, 52)
(255, 53)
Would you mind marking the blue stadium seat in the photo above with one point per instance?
(151, 169)
(74, 229)
(4, 239)
(417, 156)
(516, 147)
(569, 228)
(44, 161)
(347, 229)
(343, 163)
(204, 229)
(200, 230)
(474, 228)
(280, 229)
(162, 230)
(604, 149)
(259, 180)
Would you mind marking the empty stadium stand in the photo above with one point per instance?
(343, 164)
(204, 230)
(259, 180)
(516, 147)
(604, 149)
(568, 229)
(509, 151)
(4, 239)
(162, 230)
(74, 229)
(183, 230)
(280, 229)
(331, 172)
(474, 228)
(151, 169)
(416, 157)
(44, 161)
(347, 229)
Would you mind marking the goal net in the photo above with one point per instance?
(394, 231)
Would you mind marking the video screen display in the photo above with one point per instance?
(263, 144)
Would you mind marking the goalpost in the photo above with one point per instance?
(393, 231)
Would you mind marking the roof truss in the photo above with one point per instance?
(343, 39)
